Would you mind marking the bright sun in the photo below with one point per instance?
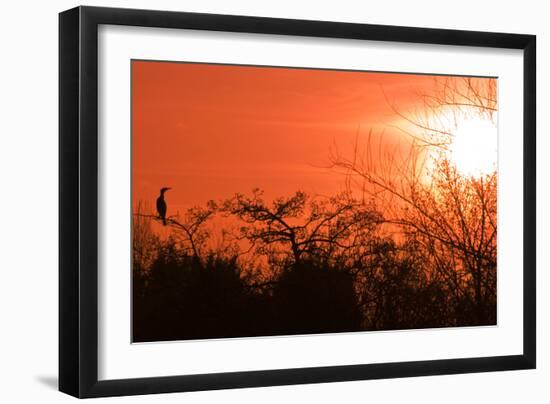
(474, 147)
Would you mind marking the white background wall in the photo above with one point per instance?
(28, 199)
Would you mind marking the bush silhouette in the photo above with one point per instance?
(313, 297)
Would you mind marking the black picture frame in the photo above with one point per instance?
(78, 201)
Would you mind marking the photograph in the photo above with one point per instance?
(273, 200)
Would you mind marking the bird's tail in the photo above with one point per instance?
(164, 221)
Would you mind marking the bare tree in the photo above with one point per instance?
(434, 119)
(300, 225)
(190, 229)
(144, 241)
(452, 216)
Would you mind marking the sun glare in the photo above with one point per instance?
(474, 147)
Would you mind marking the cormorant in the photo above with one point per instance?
(161, 205)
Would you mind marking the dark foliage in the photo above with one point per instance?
(181, 298)
(313, 297)
(320, 268)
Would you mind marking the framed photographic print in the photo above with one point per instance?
(250, 201)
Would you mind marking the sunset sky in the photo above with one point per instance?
(209, 131)
(416, 229)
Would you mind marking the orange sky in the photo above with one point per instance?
(209, 131)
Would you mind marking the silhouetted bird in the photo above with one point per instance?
(161, 205)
